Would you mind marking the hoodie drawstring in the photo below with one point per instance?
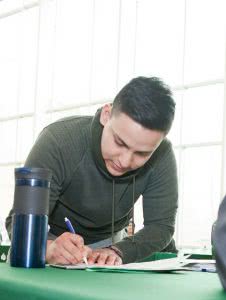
(113, 213)
(113, 210)
(133, 224)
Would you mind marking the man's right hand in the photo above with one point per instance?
(66, 249)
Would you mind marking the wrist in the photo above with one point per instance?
(116, 250)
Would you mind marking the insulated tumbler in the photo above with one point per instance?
(30, 217)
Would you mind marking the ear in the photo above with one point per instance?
(105, 114)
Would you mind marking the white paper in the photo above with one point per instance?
(78, 266)
(170, 264)
(204, 265)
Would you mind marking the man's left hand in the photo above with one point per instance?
(104, 256)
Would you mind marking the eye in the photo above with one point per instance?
(119, 143)
(144, 154)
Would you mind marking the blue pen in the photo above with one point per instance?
(69, 225)
(71, 229)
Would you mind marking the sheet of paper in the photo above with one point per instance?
(171, 264)
(78, 266)
(204, 265)
(163, 265)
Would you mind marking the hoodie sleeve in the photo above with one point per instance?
(46, 154)
(219, 242)
(159, 209)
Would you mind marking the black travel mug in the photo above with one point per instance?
(30, 217)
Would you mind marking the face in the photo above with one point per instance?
(125, 144)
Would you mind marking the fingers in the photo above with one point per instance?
(68, 248)
(104, 257)
(93, 258)
(62, 261)
(111, 260)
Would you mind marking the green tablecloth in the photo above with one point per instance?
(52, 283)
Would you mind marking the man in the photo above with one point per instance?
(101, 165)
(219, 242)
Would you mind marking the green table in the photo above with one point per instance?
(52, 283)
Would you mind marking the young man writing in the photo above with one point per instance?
(101, 165)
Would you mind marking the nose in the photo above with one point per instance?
(125, 159)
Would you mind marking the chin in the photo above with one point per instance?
(114, 172)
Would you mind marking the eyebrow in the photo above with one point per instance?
(124, 144)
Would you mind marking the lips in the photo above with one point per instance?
(116, 167)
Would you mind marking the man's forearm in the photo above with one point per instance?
(148, 240)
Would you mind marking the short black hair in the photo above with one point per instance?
(148, 101)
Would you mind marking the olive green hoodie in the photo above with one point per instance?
(98, 203)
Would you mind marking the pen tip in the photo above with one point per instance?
(65, 219)
(85, 260)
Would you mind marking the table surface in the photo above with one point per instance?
(53, 283)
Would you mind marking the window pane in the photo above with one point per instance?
(25, 138)
(73, 52)
(200, 194)
(28, 59)
(127, 42)
(11, 5)
(159, 47)
(175, 131)
(46, 57)
(85, 48)
(205, 40)
(105, 50)
(18, 54)
(7, 190)
(203, 114)
(9, 62)
(8, 135)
